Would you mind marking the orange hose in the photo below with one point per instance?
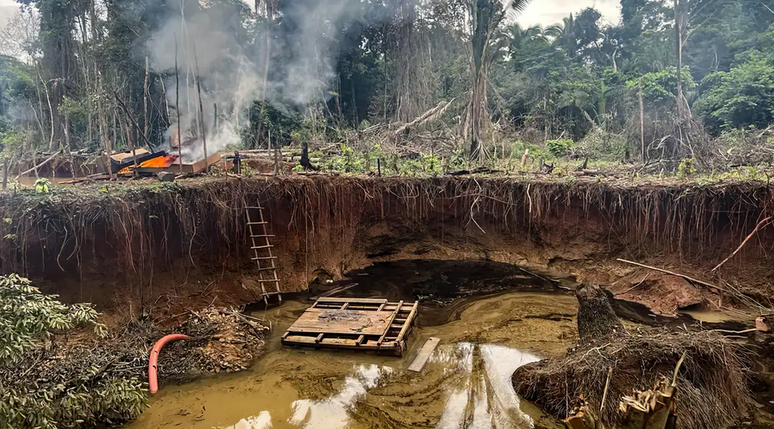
(153, 380)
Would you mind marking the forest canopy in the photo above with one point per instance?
(668, 80)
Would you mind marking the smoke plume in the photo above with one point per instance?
(231, 60)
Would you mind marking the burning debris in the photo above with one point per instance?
(164, 163)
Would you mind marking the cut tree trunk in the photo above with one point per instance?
(596, 318)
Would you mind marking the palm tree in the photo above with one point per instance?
(518, 37)
(563, 36)
(486, 16)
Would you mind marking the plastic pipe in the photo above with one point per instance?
(153, 380)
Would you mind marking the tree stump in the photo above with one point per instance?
(596, 318)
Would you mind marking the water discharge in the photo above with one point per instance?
(466, 383)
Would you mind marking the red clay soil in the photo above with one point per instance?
(165, 248)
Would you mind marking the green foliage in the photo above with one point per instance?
(274, 121)
(13, 140)
(458, 160)
(27, 315)
(559, 148)
(49, 399)
(348, 161)
(563, 81)
(687, 168)
(601, 144)
(741, 97)
(660, 88)
(84, 402)
(247, 171)
(42, 186)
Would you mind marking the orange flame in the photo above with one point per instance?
(159, 162)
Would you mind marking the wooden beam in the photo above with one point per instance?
(409, 322)
(424, 354)
(354, 300)
(389, 323)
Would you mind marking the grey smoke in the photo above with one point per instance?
(233, 78)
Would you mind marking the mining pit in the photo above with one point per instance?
(493, 264)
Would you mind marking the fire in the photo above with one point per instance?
(159, 162)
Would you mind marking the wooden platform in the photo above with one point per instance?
(354, 323)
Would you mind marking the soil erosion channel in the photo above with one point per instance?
(465, 384)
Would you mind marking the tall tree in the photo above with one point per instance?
(486, 16)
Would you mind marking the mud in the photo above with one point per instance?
(182, 246)
(466, 383)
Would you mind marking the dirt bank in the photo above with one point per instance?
(160, 247)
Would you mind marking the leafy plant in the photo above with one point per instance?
(458, 160)
(348, 161)
(741, 97)
(687, 168)
(27, 315)
(559, 148)
(42, 186)
(247, 171)
(68, 397)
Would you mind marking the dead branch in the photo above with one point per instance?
(689, 279)
(431, 115)
(762, 224)
(39, 165)
(134, 123)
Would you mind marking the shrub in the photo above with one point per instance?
(687, 168)
(50, 384)
(559, 148)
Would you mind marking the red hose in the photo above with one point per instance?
(153, 381)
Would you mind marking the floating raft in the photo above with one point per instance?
(355, 324)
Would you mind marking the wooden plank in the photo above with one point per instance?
(360, 340)
(424, 354)
(341, 343)
(353, 300)
(334, 291)
(409, 321)
(319, 338)
(335, 321)
(392, 317)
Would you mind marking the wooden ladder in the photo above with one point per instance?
(263, 256)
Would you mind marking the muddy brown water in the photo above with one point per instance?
(467, 383)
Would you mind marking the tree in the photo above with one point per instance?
(742, 97)
(486, 17)
(564, 36)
